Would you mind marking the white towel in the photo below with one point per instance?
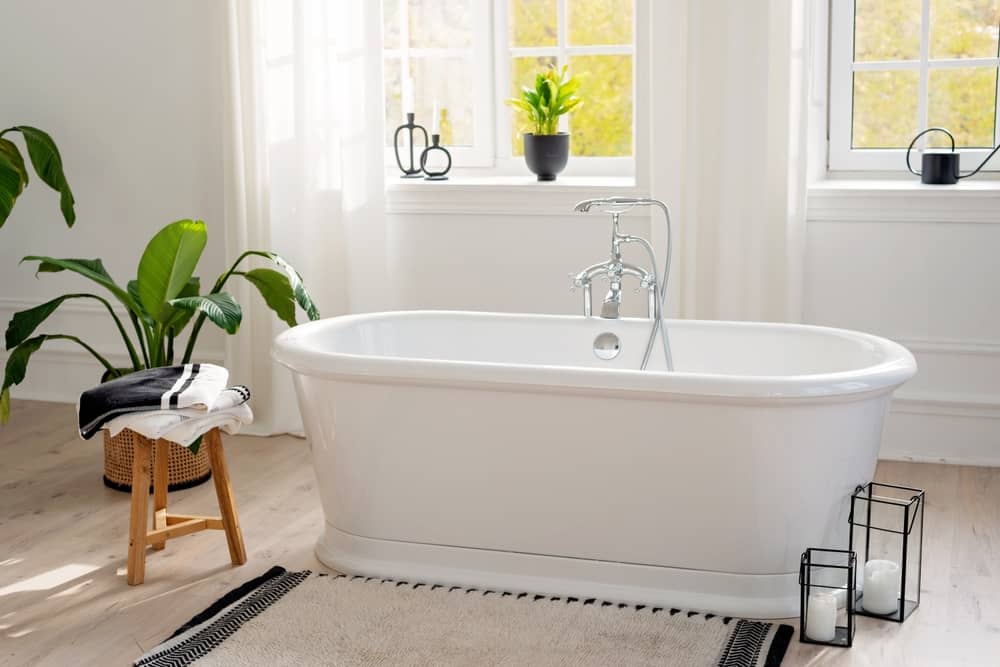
(182, 425)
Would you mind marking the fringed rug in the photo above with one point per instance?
(302, 618)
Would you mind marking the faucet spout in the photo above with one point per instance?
(611, 309)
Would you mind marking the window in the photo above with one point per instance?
(900, 66)
(435, 59)
(463, 58)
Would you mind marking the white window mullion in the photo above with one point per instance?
(561, 39)
(501, 75)
(887, 65)
(925, 56)
(996, 111)
(404, 55)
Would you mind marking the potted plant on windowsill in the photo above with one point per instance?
(546, 150)
(160, 303)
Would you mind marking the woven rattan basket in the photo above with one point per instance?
(185, 470)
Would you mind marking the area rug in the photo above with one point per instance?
(304, 618)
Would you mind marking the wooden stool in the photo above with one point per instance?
(168, 526)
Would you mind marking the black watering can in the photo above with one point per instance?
(939, 167)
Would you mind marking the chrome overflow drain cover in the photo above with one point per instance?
(607, 346)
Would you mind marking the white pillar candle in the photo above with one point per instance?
(821, 617)
(407, 96)
(436, 124)
(841, 595)
(881, 588)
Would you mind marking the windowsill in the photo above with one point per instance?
(521, 195)
(975, 201)
(909, 185)
(525, 182)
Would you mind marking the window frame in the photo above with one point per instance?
(491, 153)
(842, 156)
(482, 150)
(584, 165)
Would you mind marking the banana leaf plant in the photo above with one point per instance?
(47, 162)
(161, 302)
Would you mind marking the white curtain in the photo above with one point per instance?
(742, 217)
(304, 170)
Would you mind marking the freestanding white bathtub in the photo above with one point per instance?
(497, 451)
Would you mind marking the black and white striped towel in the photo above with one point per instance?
(187, 386)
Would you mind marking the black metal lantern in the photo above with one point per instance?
(826, 583)
(413, 171)
(431, 174)
(887, 530)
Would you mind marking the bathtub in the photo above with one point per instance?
(498, 451)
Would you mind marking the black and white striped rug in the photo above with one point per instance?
(304, 618)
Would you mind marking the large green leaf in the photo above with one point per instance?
(24, 323)
(220, 307)
(13, 178)
(167, 265)
(277, 292)
(17, 366)
(48, 165)
(88, 268)
(10, 151)
(302, 296)
(180, 317)
(4, 406)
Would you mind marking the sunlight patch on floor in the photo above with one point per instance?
(50, 579)
(20, 633)
(72, 590)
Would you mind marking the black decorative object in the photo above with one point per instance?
(826, 582)
(887, 530)
(546, 154)
(939, 167)
(413, 171)
(435, 146)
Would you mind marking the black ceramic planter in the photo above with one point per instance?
(546, 154)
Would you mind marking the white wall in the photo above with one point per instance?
(918, 265)
(509, 250)
(132, 93)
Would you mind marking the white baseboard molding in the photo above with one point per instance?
(982, 462)
(936, 429)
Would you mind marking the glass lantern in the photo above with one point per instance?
(826, 582)
(887, 531)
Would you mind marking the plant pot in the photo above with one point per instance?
(546, 154)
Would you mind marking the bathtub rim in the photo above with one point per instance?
(898, 365)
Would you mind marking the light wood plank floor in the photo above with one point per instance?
(64, 601)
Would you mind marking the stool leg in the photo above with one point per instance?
(161, 468)
(224, 491)
(140, 503)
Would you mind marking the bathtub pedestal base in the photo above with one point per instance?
(755, 596)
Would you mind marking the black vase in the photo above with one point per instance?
(546, 154)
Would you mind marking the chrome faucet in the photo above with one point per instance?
(614, 269)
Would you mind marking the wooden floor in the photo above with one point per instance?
(64, 601)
